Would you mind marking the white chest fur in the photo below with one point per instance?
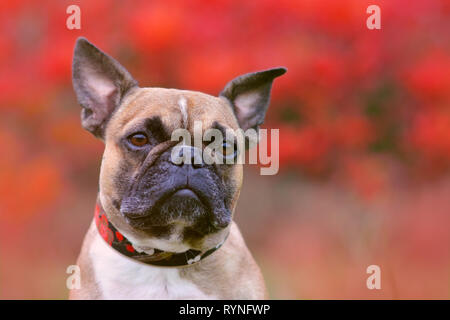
(122, 278)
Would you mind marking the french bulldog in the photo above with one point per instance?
(163, 230)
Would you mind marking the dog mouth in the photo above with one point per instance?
(180, 207)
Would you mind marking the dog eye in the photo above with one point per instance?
(229, 150)
(138, 139)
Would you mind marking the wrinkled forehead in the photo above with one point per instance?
(173, 108)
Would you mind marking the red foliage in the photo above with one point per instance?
(334, 62)
(350, 94)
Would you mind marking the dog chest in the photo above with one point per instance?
(122, 278)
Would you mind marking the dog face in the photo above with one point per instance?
(153, 200)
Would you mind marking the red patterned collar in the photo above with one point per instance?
(159, 258)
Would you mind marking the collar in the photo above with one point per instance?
(117, 241)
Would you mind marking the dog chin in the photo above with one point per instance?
(174, 244)
(177, 207)
(149, 245)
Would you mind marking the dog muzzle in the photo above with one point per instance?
(117, 241)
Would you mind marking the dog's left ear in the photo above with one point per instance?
(100, 83)
(249, 95)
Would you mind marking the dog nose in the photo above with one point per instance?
(187, 155)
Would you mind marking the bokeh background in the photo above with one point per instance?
(364, 119)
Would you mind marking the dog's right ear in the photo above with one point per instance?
(100, 83)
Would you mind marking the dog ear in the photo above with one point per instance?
(100, 83)
(249, 95)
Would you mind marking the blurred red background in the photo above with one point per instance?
(364, 119)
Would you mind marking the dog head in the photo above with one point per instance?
(154, 201)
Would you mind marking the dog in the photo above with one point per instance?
(164, 230)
